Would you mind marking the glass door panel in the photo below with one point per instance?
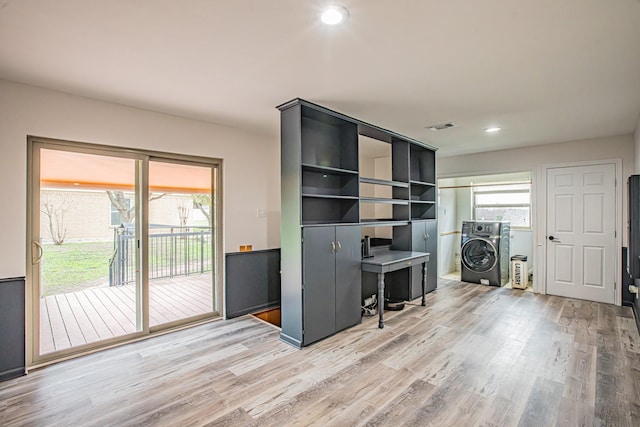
(85, 253)
(181, 240)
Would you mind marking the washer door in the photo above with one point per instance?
(479, 255)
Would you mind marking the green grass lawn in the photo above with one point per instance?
(75, 266)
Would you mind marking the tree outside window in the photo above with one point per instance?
(121, 211)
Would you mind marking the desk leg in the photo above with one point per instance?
(424, 282)
(380, 300)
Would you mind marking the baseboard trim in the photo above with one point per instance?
(12, 373)
(290, 340)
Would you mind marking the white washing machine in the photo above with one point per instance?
(484, 252)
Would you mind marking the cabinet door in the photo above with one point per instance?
(424, 239)
(348, 277)
(318, 294)
(418, 236)
(431, 228)
(418, 244)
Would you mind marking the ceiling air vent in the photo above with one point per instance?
(441, 126)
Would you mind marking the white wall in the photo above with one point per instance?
(535, 157)
(251, 163)
(448, 237)
(530, 158)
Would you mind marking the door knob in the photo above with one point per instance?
(551, 238)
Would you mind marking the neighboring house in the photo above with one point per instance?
(89, 215)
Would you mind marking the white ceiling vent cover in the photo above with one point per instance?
(441, 126)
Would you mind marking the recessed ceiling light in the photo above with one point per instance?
(334, 14)
(492, 129)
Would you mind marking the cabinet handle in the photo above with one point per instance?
(333, 247)
(339, 246)
(426, 236)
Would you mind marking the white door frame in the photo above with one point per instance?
(540, 237)
(537, 283)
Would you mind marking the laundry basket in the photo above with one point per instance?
(519, 272)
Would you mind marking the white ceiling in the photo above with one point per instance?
(544, 70)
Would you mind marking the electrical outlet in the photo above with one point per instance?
(262, 213)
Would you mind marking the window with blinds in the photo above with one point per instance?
(503, 202)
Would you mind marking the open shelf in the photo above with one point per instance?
(384, 200)
(420, 183)
(423, 210)
(422, 164)
(385, 209)
(326, 210)
(376, 181)
(328, 140)
(372, 222)
(374, 190)
(329, 182)
(329, 196)
(423, 193)
(327, 169)
(320, 223)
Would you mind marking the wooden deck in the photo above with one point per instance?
(77, 318)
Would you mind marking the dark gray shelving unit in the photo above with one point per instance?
(321, 214)
(422, 181)
(419, 236)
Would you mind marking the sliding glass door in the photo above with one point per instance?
(78, 303)
(180, 256)
(122, 244)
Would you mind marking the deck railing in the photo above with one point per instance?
(173, 251)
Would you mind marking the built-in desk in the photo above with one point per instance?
(385, 261)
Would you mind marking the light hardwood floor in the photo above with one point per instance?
(476, 355)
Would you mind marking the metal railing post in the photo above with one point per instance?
(201, 251)
(166, 250)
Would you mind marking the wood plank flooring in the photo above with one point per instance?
(475, 356)
(98, 313)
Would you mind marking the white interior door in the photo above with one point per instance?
(581, 224)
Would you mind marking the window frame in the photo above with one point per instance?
(142, 157)
(475, 191)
